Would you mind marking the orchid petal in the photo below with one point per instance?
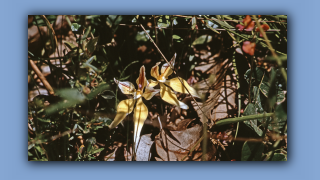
(139, 116)
(152, 83)
(176, 85)
(166, 69)
(126, 87)
(142, 80)
(149, 92)
(155, 71)
(168, 95)
(125, 107)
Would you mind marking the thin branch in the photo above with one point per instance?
(54, 35)
(41, 77)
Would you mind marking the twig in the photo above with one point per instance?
(41, 77)
(155, 29)
(54, 35)
(160, 124)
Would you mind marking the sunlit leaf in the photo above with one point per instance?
(193, 23)
(202, 40)
(75, 27)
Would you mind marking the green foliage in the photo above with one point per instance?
(72, 124)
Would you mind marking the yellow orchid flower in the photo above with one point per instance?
(165, 92)
(125, 107)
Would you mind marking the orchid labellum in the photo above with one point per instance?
(165, 91)
(125, 107)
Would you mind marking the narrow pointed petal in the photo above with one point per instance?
(152, 83)
(176, 85)
(166, 69)
(168, 95)
(142, 80)
(125, 107)
(139, 116)
(126, 87)
(149, 92)
(155, 71)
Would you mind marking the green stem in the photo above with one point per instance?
(243, 118)
(238, 87)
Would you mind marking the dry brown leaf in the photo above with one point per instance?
(175, 145)
(221, 94)
(143, 151)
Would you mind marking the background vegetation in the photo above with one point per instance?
(238, 69)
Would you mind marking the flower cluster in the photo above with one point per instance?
(146, 90)
(248, 25)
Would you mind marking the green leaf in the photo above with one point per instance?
(85, 35)
(252, 151)
(101, 88)
(71, 94)
(29, 153)
(43, 120)
(107, 96)
(202, 40)
(265, 88)
(39, 149)
(193, 23)
(257, 100)
(177, 38)
(164, 21)
(70, 45)
(114, 20)
(70, 97)
(91, 45)
(279, 157)
(73, 48)
(257, 75)
(281, 118)
(97, 150)
(142, 36)
(163, 25)
(224, 24)
(75, 27)
(253, 124)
